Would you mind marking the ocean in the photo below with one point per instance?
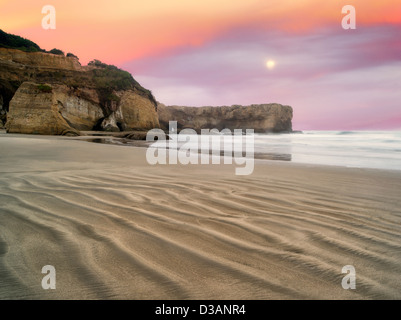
(361, 149)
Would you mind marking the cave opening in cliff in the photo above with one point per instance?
(120, 126)
(7, 91)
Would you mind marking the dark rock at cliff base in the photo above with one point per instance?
(2, 112)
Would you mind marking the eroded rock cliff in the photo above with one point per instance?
(46, 93)
(34, 111)
(260, 117)
(78, 97)
(40, 59)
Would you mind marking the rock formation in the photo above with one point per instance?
(33, 111)
(52, 94)
(46, 93)
(39, 59)
(141, 118)
(260, 117)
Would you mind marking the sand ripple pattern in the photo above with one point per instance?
(149, 233)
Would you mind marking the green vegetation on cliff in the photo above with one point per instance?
(44, 88)
(108, 78)
(16, 42)
(69, 54)
(11, 41)
(56, 51)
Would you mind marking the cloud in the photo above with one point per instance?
(121, 30)
(331, 78)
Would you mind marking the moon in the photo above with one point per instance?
(270, 64)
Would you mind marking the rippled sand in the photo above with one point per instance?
(115, 227)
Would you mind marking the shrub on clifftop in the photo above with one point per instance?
(57, 51)
(71, 55)
(16, 42)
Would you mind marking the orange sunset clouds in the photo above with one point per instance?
(121, 30)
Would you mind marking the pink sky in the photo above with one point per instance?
(215, 52)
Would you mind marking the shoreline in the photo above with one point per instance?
(115, 140)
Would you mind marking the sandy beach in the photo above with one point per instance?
(115, 227)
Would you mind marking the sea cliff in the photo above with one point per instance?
(261, 118)
(47, 92)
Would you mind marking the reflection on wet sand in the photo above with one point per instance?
(140, 143)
